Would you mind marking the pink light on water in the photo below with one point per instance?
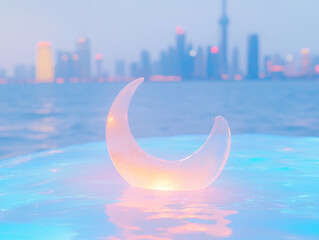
(135, 210)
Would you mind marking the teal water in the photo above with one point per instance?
(269, 189)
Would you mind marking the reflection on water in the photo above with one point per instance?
(147, 214)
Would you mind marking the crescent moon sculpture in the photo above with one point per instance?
(140, 169)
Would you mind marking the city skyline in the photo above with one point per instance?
(280, 27)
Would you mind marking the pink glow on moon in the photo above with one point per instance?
(142, 170)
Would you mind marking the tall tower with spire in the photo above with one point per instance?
(224, 21)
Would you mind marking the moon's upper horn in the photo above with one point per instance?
(140, 169)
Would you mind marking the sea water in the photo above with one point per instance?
(268, 190)
(45, 116)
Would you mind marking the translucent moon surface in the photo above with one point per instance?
(143, 170)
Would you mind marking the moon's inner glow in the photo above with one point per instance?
(140, 169)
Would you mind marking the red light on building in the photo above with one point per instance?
(99, 56)
(305, 51)
(162, 78)
(269, 66)
(65, 57)
(262, 75)
(60, 80)
(82, 40)
(277, 68)
(74, 80)
(44, 44)
(238, 77)
(214, 50)
(3, 81)
(75, 57)
(179, 30)
(225, 76)
(317, 68)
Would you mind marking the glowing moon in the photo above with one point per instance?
(140, 169)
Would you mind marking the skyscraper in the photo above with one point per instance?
(44, 63)
(188, 65)
(20, 73)
(253, 57)
(180, 51)
(199, 64)
(3, 74)
(120, 68)
(224, 21)
(235, 66)
(83, 51)
(98, 62)
(145, 69)
(63, 68)
(213, 67)
(305, 62)
(133, 70)
(164, 63)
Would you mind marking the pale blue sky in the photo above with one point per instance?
(120, 29)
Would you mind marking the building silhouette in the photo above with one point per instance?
(98, 65)
(235, 62)
(164, 63)
(120, 68)
(305, 62)
(20, 73)
(213, 63)
(134, 70)
(224, 21)
(180, 52)
(64, 65)
(145, 65)
(199, 64)
(83, 51)
(3, 74)
(291, 66)
(253, 57)
(189, 61)
(44, 63)
(179, 60)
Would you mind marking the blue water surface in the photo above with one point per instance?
(268, 190)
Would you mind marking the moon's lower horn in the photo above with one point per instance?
(140, 169)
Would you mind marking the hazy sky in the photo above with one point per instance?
(121, 29)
